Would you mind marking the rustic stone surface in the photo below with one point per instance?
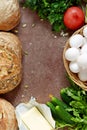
(43, 70)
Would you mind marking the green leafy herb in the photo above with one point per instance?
(51, 10)
(78, 105)
(71, 111)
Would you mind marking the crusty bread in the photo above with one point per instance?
(7, 116)
(9, 14)
(10, 61)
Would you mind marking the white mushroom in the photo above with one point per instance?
(85, 31)
(76, 41)
(73, 66)
(83, 75)
(84, 49)
(72, 54)
(82, 60)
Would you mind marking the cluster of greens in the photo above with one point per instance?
(52, 10)
(71, 111)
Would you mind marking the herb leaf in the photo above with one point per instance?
(52, 10)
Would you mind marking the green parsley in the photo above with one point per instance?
(52, 10)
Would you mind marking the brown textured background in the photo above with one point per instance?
(43, 70)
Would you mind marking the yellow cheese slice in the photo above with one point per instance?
(34, 120)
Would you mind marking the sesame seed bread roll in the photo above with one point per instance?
(10, 62)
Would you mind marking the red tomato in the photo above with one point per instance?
(74, 18)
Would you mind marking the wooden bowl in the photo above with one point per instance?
(74, 77)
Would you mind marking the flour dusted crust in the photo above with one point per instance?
(10, 61)
(9, 14)
(7, 116)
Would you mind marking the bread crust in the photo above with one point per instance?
(9, 14)
(7, 116)
(10, 61)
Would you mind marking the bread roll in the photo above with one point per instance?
(10, 61)
(7, 116)
(9, 14)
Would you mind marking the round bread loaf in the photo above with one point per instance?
(7, 116)
(9, 14)
(10, 61)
